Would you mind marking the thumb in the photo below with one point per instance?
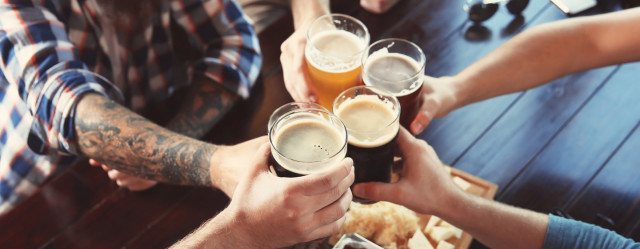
(376, 191)
(260, 162)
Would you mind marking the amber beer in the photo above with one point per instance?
(372, 119)
(305, 141)
(333, 54)
(396, 65)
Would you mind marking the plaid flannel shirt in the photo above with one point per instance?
(53, 51)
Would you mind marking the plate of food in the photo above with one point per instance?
(388, 225)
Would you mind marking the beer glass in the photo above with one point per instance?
(335, 43)
(371, 115)
(306, 140)
(396, 65)
(288, 107)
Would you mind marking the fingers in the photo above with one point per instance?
(294, 66)
(427, 112)
(332, 217)
(130, 182)
(260, 162)
(319, 183)
(93, 162)
(136, 184)
(421, 121)
(405, 141)
(377, 6)
(377, 191)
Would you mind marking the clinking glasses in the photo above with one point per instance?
(481, 10)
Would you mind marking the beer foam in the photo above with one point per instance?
(301, 143)
(392, 72)
(335, 51)
(370, 121)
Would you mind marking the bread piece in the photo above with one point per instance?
(384, 223)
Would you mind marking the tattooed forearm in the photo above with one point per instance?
(115, 136)
(206, 103)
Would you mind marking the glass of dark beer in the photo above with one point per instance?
(371, 115)
(306, 140)
(396, 65)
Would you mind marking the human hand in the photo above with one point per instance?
(438, 99)
(229, 163)
(294, 68)
(424, 185)
(124, 180)
(273, 212)
(377, 6)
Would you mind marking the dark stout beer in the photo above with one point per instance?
(303, 143)
(397, 66)
(372, 125)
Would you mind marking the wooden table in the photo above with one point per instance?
(569, 146)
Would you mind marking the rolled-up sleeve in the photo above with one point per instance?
(39, 62)
(219, 31)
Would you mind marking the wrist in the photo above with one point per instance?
(458, 93)
(219, 171)
(305, 11)
(452, 203)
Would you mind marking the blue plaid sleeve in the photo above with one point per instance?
(222, 33)
(37, 57)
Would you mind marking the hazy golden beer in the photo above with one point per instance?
(333, 53)
(397, 66)
(306, 140)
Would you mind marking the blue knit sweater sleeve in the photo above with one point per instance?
(566, 233)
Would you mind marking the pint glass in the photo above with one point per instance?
(306, 140)
(335, 43)
(396, 65)
(371, 115)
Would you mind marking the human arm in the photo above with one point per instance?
(292, 57)
(205, 104)
(425, 187)
(272, 212)
(535, 57)
(114, 135)
(378, 6)
(223, 56)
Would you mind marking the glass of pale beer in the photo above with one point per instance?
(306, 140)
(335, 44)
(396, 65)
(371, 115)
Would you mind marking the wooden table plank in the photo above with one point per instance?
(452, 135)
(614, 193)
(119, 217)
(529, 125)
(57, 205)
(199, 206)
(581, 148)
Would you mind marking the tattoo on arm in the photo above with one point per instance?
(115, 136)
(206, 102)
